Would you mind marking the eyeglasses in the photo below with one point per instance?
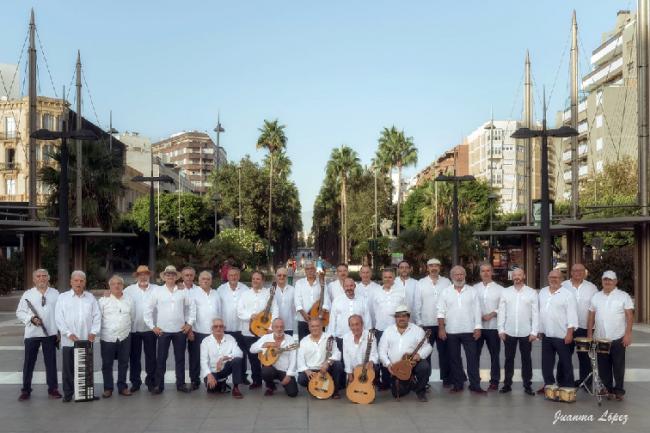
(217, 326)
(282, 275)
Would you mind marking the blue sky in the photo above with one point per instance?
(334, 72)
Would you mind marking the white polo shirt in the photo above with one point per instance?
(610, 313)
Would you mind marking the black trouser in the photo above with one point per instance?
(139, 339)
(235, 367)
(454, 341)
(270, 374)
(491, 338)
(303, 330)
(111, 350)
(179, 340)
(194, 349)
(584, 363)
(611, 367)
(525, 347)
(289, 332)
(443, 354)
(49, 357)
(550, 347)
(384, 376)
(256, 366)
(239, 338)
(67, 371)
(418, 382)
(339, 345)
(335, 370)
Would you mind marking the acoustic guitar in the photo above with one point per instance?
(316, 310)
(261, 323)
(321, 385)
(361, 389)
(404, 368)
(271, 354)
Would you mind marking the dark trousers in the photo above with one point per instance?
(550, 347)
(339, 345)
(110, 351)
(194, 349)
(139, 340)
(289, 332)
(239, 338)
(611, 367)
(67, 371)
(525, 348)
(270, 374)
(491, 338)
(454, 342)
(418, 382)
(49, 357)
(234, 367)
(303, 330)
(256, 366)
(384, 377)
(179, 340)
(443, 354)
(584, 363)
(335, 370)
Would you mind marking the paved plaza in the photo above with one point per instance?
(198, 412)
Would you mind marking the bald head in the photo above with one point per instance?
(555, 279)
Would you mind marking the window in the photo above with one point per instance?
(599, 121)
(599, 144)
(10, 186)
(48, 122)
(10, 127)
(599, 166)
(599, 97)
(48, 150)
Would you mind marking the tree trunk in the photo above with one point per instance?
(399, 194)
(344, 202)
(270, 200)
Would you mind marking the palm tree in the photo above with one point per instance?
(343, 165)
(396, 150)
(273, 139)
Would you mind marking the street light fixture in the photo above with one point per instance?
(455, 232)
(216, 198)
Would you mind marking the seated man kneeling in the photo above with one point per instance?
(284, 367)
(220, 358)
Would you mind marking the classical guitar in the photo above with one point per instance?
(321, 385)
(361, 389)
(261, 323)
(270, 355)
(317, 310)
(403, 369)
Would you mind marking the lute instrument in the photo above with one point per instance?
(404, 368)
(321, 385)
(271, 354)
(316, 310)
(261, 323)
(361, 389)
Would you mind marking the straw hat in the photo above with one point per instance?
(142, 269)
(169, 270)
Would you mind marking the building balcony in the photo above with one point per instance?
(607, 71)
(9, 166)
(9, 136)
(566, 156)
(607, 49)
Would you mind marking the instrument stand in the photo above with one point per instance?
(596, 388)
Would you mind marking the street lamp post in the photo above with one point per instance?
(455, 231)
(216, 198)
(491, 196)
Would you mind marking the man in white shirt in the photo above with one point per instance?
(229, 295)
(220, 358)
(207, 307)
(381, 305)
(284, 368)
(355, 346)
(312, 357)
(406, 283)
(251, 303)
(425, 313)
(307, 293)
(517, 323)
(489, 294)
(171, 323)
(342, 308)
(459, 322)
(335, 288)
(284, 297)
(118, 312)
(78, 319)
(36, 311)
(558, 317)
(400, 339)
(366, 286)
(612, 312)
(584, 290)
(141, 334)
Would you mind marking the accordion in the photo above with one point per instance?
(84, 389)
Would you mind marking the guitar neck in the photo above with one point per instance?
(419, 346)
(269, 302)
(366, 357)
(322, 296)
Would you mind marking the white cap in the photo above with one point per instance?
(402, 309)
(433, 262)
(610, 275)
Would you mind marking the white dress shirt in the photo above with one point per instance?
(286, 305)
(228, 300)
(425, 302)
(335, 289)
(518, 314)
(366, 289)
(610, 313)
(170, 307)
(584, 292)
(488, 297)
(311, 354)
(306, 295)
(354, 352)
(252, 302)
(461, 310)
(212, 351)
(140, 299)
(46, 313)
(557, 312)
(77, 315)
(382, 304)
(207, 307)
(408, 286)
(394, 345)
(344, 307)
(287, 360)
(117, 317)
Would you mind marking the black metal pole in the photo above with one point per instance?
(455, 230)
(152, 227)
(545, 229)
(63, 260)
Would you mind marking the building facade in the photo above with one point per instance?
(452, 161)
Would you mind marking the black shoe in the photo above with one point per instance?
(196, 385)
(136, 388)
(246, 381)
(505, 389)
(422, 398)
(150, 388)
(529, 391)
(67, 399)
(183, 388)
(156, 390)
